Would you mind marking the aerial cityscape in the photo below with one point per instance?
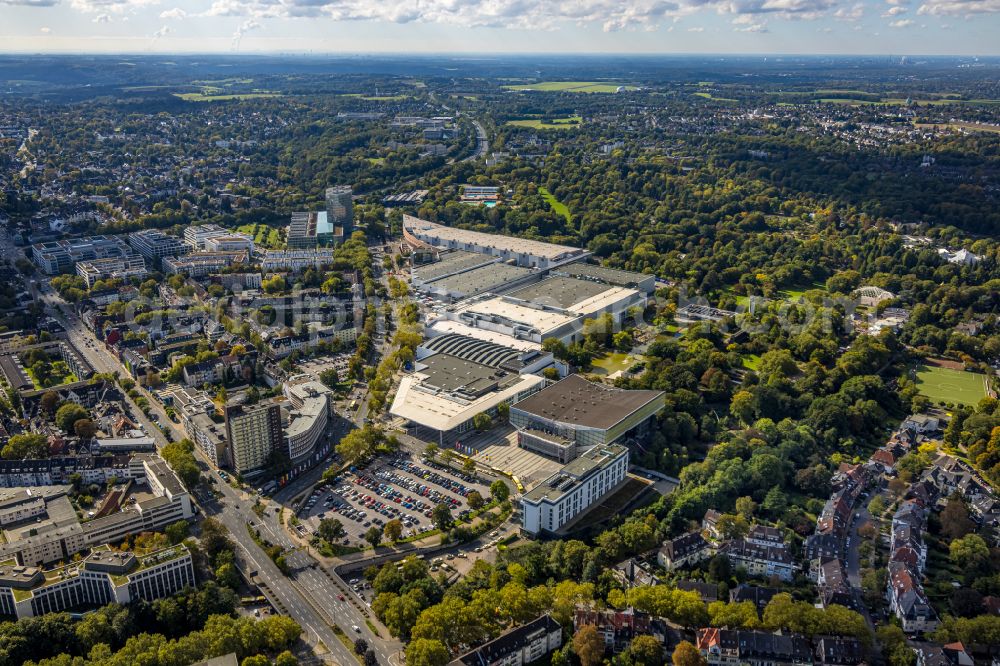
(501, 358)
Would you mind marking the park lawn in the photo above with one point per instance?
(947, 385)
(571, 86)
(263, 235)
(751, 362)
(568, 122)
(202, 97)
(615, 361)
(559, 207)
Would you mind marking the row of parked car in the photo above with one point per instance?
(388, 507)
(421, 490)
(449, 484)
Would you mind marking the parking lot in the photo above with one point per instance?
(387, 489)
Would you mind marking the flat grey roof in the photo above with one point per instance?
(575, 472)
(576, 401)
(492, 277)
(559, 292)
(450, 373)
(455, 261)
(604, 274)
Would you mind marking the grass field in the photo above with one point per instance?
(569, 122)
(751, 362)
(705, 95)
(559, 207)
(202, 97)
(947, 385)
(612, 363)
(974, 127)
(572, 86)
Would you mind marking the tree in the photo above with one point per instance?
(469, 466)
(256, 660)
(646, 651)
(329, 377)
(371, 659)
(475, 500)
(588, 646)
(331, 530)
(228, 576)
(427, 652)
(25, 445)
(431, 451)
(441, 515)
(482, 421)
(499, 491)
(970, 552)
(286, 658)
(373, 536)
(68, 414)
(48, 402)
(360, 646)
(177, 532)
(393, 530)
(686, 654)
(955, 521)
(85, 428)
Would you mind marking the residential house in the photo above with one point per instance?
(684, 551)
(907, 600)
(522, 645)
(760, 596)
(726, 647)
(760, 561)
(618, 628)
(832, 651)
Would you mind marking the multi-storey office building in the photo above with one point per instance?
(103, 577)
(113, 268)
(253, 433)
(155, 245)
(60, 256)
(575, 488)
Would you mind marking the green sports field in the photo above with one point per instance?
(946, 385)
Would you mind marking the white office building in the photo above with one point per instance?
(574, 489)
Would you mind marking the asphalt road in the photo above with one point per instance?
(309, 596)
(482, 143)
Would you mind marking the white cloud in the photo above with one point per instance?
(45, 30)
(901, 23)
(853, 13)
(30, 3)
(112, 6)
(895, 11)
(175, 13)
(697, 29)
(102, 18)
(959, 7)
(611, 15)
(162, 32)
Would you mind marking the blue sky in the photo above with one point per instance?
(968, 27)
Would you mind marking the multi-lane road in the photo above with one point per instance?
(309, 594)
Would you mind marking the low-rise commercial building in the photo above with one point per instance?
(575, 414)
(445, 392)
(524, 252)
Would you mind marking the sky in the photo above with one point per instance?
(930, 27)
